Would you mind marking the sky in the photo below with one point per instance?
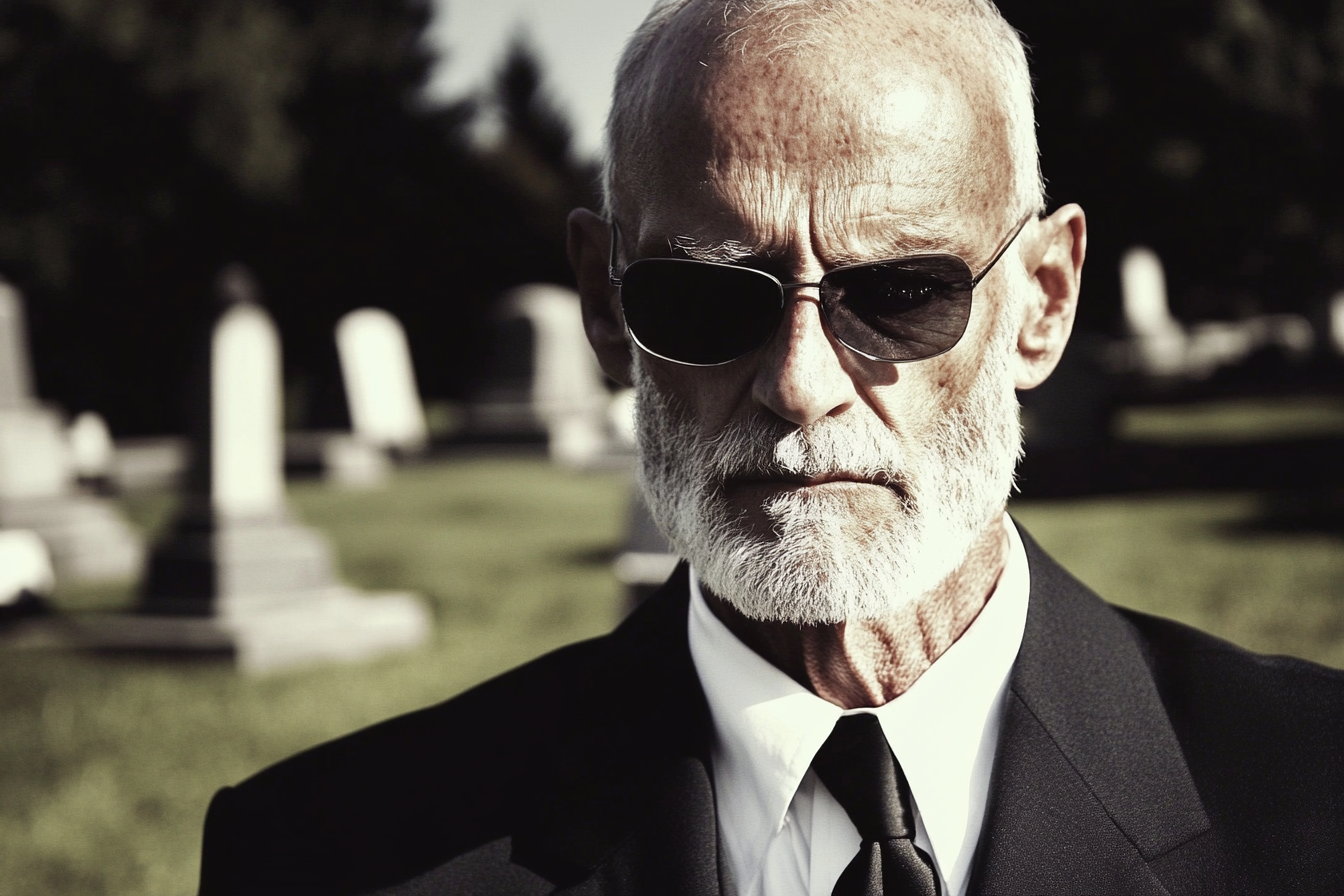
(577, 41)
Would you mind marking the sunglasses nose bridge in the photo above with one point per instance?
(823, 306)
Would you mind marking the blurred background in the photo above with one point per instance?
(161, 159)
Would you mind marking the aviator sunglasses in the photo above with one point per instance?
(703, 313)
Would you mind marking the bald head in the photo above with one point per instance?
(792, 88)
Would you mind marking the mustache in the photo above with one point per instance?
(769, 447)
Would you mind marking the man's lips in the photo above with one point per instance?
(787, 480)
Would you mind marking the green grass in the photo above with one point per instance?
(1232, 420)
(107, 763)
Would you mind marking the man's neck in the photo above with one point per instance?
(871, 662)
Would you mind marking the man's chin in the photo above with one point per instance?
(807, 580)
(812, 606)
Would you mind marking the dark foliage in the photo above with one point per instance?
(1207, 129)
(149, 143)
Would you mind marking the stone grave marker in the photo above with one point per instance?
(236, 572)
(1161, 346)
(545, 376)
(379, 380)
(87, 538)
(1159, 339)
(91, 449)
(25, 566)
(16, 377)
(1336, 325)
(246, 419)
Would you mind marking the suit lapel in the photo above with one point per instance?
(1091, 791)
(633, 807)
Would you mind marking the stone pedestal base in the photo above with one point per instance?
(262, 589)
(337, 624)
(225, 567)
(87, 538)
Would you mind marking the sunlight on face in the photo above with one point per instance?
(805, 484)
(826, 556)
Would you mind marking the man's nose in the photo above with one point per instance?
(801, 377)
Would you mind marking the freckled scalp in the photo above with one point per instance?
(695, 65)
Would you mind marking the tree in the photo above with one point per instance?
(1204, 128)
(149, 143)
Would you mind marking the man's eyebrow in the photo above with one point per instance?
(725, 252)
(905, 237)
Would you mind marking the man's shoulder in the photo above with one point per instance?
(387, 802)
(1176, 650)
(1207, 758)
(486, 723)
(1254, 702)
(1263, 737)
(1199, 676)
(1181, 657)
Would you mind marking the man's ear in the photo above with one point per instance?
(1054, 260)
(589, 248)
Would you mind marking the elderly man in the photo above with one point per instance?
(826, 269)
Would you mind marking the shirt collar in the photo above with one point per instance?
(943, 729)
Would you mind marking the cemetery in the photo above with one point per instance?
(300, 429)
(270, 614)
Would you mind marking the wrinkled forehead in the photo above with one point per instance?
(838, 123)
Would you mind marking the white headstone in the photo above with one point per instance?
(86, 537)
(1160, 338)
(91, 446)
(16, 375)
(1337, 322)
(246, 443)
(25, 565)
(236, 570)
(379, 379)
(1143, 284)
(34, 456)
(567, 390)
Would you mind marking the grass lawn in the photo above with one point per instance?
(107, 763)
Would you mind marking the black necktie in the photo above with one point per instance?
(857, 766)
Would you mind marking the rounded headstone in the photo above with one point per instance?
(246, 447)
(25, 565)
(379, 379)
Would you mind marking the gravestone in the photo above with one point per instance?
(1158, 338)
(91, 449)
(379, 380)
(646, 559)
(544, 378)
(26, 580)
(25, 566)
(236, 572)
(1337, 322)
(1159, 346)
(87, 539)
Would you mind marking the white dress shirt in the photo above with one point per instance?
(781, 831)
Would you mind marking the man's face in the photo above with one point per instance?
(807, 483)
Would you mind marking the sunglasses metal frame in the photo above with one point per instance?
(616, 279)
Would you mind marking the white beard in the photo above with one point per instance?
(826, 560)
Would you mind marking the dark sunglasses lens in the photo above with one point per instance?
(696, 312)
(900, 310)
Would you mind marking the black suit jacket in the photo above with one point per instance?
(1137, 756)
